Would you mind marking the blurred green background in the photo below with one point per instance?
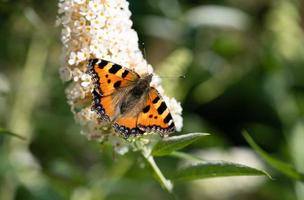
(243, 62)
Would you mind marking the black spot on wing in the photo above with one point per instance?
(117, 84)
(109, 80)
(146, 109)
(124, 74)
(161, 108)
(102, 64)
(115, 68)
(168, 118)
(156, 100)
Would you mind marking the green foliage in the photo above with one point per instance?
(204, 169)
(174, 143)
(285, 168)
(213, 169)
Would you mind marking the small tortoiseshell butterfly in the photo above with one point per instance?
(126, 100)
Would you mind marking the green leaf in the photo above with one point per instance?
(170, 144)
(6, 132)
(215, 169)
(186, 156)
(279, 165)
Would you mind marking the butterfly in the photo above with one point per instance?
(125, 99)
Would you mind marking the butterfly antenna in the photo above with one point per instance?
(144, 50)
(174, 77)
(145, 55)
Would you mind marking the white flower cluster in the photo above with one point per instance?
(100, 29)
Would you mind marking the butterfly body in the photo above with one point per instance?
(136, 95)
(126, 100)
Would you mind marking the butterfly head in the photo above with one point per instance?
(144, 82)
(146, 79)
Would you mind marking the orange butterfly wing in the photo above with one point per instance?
(127, 125)
(104, 106)
(155, 116)
(108, 78)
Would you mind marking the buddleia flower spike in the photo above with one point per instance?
(100, 29)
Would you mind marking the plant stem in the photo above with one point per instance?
(167, 184)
